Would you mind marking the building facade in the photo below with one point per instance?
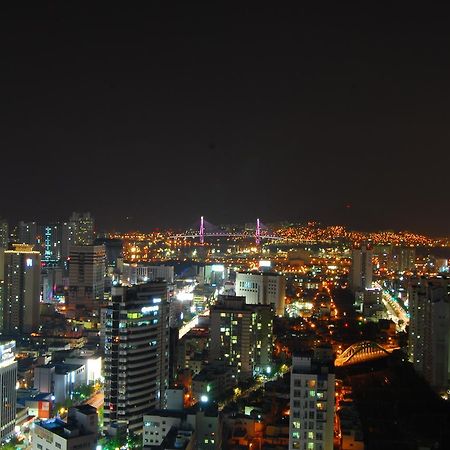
(429, 328)
(8, 380)
(136, 354)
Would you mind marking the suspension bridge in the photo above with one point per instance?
(362, 352)
(205, 229)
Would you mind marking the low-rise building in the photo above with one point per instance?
(79, 432)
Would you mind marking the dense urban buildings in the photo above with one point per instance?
(136, 355)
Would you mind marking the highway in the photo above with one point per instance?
(395, 311)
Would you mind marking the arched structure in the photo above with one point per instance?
(361, 352)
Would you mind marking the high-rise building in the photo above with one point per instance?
(262, 288)
(4, 233)
(241, 335)
(86, 277)
(136, 354)
(311, 420)
(22, 290)
(361, 270)
(83, 228)
(79, 432)
(8, 380)
(51, 243)
(428, 345)
(27, 232)
(67, 239)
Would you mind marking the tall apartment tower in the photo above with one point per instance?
(361, 270)
(86, 277)
(27, 232)
(311, 420)
(241, 335)
(22, 290)
(83, 228)
(4, 233)
(262, 288)
(8, 379)
(428, 345)
(136, 355)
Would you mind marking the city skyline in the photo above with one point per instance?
(311, 113)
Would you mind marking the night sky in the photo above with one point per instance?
(337, 112)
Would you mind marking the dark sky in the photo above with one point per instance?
(233, 112)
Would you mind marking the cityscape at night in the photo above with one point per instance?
(224, 227)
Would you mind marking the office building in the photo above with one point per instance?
(262, 288)
(361, 271)
(8, 380)
(241, 335)
(428, 345)
(311, 419)
(136, 355)
(86, 277)
(22, 290)
(59, 379)
(79, 432)
(83, 228)
(4, 233)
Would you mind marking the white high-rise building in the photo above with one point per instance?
(263, 288)
(8, 380)
(429, 328)
(311, 421)
(136, 354)
(361, 271)
(22, 290)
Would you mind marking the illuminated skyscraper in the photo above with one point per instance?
(262, 288)
(136, 354)
(361, 271)
(428, 346)
(22, 290)
(8, 380)
(83, 228)
(241, 335)
(311, 420)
